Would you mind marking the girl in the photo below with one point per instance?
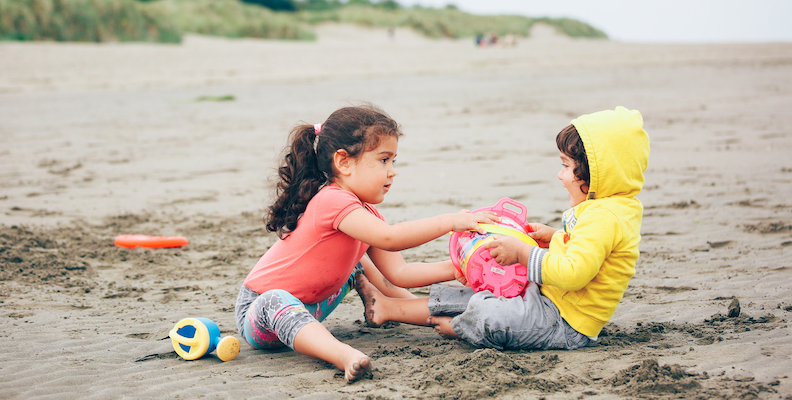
(331, 177)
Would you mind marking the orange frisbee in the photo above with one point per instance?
(150, 242)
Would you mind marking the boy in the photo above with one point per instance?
(580, 271)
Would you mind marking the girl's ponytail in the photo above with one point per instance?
(299, 180)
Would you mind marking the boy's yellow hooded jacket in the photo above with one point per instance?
(589, 263)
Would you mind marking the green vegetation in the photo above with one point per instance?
(165, 20)
(445, 22)
(84, 20)
(275, 5)
(231, 18)
(574, 28)
(216, 98)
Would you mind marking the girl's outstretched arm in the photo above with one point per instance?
(363, 226)
(382, 283)
(397, 271)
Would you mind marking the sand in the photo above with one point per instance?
(98, 140)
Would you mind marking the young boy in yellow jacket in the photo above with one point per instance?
(578, 275)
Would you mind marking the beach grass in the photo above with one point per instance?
(166, 20)
(84, 21)
(231, 18)
(448, 22)
(216, 98)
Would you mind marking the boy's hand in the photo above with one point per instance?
(506, 250)
(468, 221)
(542, 234)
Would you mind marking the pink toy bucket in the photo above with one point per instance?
(480, 269)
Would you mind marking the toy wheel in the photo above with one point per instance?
(228, 348)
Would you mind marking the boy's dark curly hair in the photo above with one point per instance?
(570, 143)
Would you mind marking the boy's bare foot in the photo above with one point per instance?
(369, 294)
(442, 326)
(357, 369)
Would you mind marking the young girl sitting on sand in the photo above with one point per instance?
(580, 279)
(324, 215)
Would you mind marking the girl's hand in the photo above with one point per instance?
(467, 221)
(506, 250)
(460, 277)
(542, 234)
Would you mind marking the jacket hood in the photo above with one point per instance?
(617, 148)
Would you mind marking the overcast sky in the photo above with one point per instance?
(672, 21)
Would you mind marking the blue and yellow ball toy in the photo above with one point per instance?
(193, 338)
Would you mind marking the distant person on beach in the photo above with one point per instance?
(331, 177)
(488, 40)
(492, 39)
(581, 271)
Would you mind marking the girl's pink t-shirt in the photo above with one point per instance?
(315, 259)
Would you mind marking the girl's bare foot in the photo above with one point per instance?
(357, 368)
(316, 341)
(442, 326)
(369, 294)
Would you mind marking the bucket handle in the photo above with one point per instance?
(173, 334)
(523, 215)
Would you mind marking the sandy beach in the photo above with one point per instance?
(98, 140)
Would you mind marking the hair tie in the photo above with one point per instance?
(317, 129)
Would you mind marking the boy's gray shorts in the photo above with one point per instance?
(529, 321)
